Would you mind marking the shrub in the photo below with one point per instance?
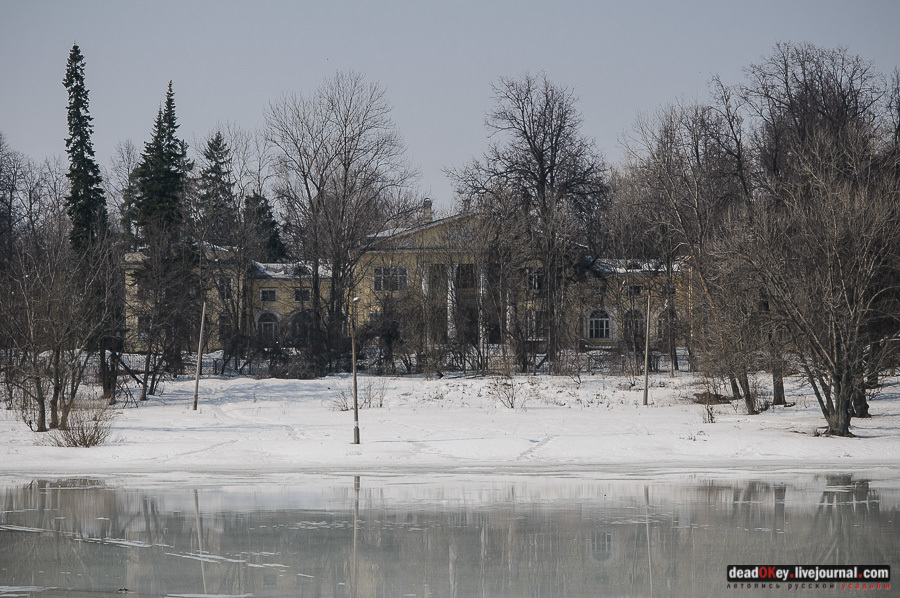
(369, 395)
(87, 426)
(504, 390)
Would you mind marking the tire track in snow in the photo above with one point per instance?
(538, 444)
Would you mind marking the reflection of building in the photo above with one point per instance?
(505, 539)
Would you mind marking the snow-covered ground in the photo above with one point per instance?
(246, 426)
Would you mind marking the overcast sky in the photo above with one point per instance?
(436, 61)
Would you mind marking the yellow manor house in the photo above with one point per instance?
(435, 292)
(271, 303)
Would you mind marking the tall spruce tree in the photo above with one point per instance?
(168, 273)
(86, 202)
(258, 216)
(162, 173)
(217, 212)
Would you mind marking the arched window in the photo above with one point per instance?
(267, 329)
(598, 325)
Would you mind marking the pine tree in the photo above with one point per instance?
(162, 174)
(217, 212)
(86, 202)
(258, 215)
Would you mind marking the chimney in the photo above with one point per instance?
(426, 210)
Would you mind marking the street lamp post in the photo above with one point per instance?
(353, 305)
(647, 349)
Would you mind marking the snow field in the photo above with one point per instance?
(454, 424)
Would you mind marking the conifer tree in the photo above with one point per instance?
(258, 215)
(167, 274)
(162, 174)
(86, 202)
(217, 213)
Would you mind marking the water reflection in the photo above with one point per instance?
(380, 537)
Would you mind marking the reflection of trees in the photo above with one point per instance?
(678, 540)
(846, 507)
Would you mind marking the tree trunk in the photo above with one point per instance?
(778, 385)
(42, 407)
(54, 408)
(108, 373)
(64, 412)
(146, 376)
(57, 391)
(859, 404)
(749, 401)
(839, 419)
(112, 378)
(735, 391)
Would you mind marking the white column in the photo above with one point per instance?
(480, 304)
(426, 272)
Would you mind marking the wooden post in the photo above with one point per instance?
(199, 354)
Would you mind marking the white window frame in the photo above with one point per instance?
(390, 278)
(599, 325)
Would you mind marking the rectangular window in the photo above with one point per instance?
(635, 290)
(302, 295)
(266, 295)
(598, 326)
(224, 326)
(535, 280)
(465, 276)
(143, 328)
(535, 324)
(141, 290)
(390, 279)
(226, 287)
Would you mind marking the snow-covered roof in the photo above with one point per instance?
(625, 266)
(287, 270)
(394, 232)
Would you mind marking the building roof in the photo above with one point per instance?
(287, 270)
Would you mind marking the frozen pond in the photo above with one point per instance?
(453, 536)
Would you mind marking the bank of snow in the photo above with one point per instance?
(247, 426)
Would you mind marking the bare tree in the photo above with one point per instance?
(554, 174)
(687, 164)
(342, 176)
(12, 164)
(55, 304)
(826, 226)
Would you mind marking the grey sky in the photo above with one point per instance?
(436, 60)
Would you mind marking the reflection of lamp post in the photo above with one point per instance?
(353, 305)
(355, 574)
